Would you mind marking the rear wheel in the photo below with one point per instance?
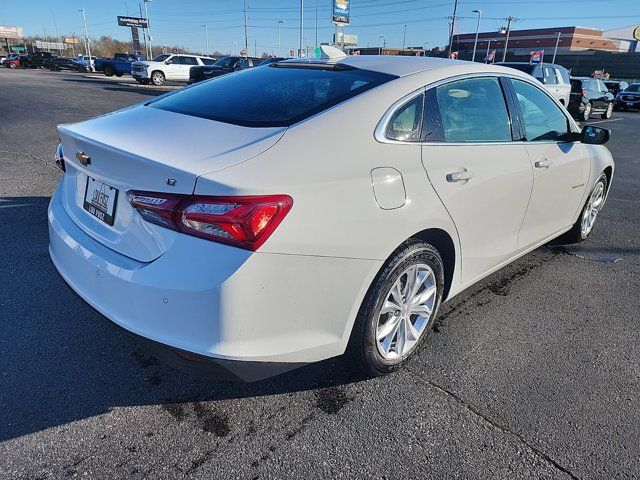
(607, 113)
(108, 70)
(399, 309)
(587, 219)
(157, 78)
(12, 65)
(587, 112)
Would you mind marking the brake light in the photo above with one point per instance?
(60, 158)
(583, 92)
(245, 221)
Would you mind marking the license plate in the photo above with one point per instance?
(100, 200)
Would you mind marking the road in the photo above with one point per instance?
(533, 373)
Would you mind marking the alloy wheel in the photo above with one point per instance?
(406, 312)
(587, 112)
(592, 209)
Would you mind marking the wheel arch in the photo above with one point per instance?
(445, 245)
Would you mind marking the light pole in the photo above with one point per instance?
(508, 32)
(206, 38)
(556, 49)
(475, 44)
(246, 32)
(404, 37)
(380, 39)
(453, 25)
(146, 14)
(301, 27)
(280, 22)
(87, 44)
(235, 48)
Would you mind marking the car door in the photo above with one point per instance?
(185, 66)
(172, 68)
(560, 166)
(481, 175)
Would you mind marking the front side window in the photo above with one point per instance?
(404, 125)
(225, 62)
(161, 58)
(473, 110)
(173, 61)
(278, 95)
(543, 119)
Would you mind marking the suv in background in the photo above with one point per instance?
(38, 59)
(629, 97)
(171, 67)
(555, 78)
(615, 86)
(588, 96)
(221, 67)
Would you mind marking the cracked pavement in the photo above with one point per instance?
(532, 373)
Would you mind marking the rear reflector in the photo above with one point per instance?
(244, 222)
(60, 158)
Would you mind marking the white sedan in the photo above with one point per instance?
(290, 213)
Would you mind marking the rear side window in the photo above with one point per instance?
(543, 119)
(576, 86)
(274, 96)
(473, 110)
(404, 125)
(188, 61)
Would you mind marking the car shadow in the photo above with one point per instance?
(61, 362)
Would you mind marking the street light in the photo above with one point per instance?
(279, 23)
(380, 44)
(475, 44)
(506, 30)
(206, 38)
(235, 48)
(87, 44)
(404, 37)
(146, 14)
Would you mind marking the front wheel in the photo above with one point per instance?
(12, 65)
(118, 74)
(607, 114)
(399, 309)
(587, 112)
(157, 78)
(587, 219)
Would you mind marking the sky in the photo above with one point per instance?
(179, 22)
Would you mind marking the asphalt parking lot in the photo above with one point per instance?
(534, 373)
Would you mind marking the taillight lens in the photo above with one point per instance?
(60, 158)
(244, 222)
(584, 92)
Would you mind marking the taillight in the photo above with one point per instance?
(60, 158)
(244, 222)
(584, 92)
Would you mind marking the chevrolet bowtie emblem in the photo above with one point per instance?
(83, 157)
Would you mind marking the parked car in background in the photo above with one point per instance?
(589, 96)
(8, 57)
(37, 59)
(629, 98)
(119, 65)
(615, 86)
(83, 61)
(221, 67)
(17, 61)
(2, 59)
(555, 78)
(61, 63)
(171, 67)
(235, 231)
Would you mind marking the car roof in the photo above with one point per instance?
(401, 65)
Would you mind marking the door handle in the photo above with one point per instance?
(544, 163)
(459, 176)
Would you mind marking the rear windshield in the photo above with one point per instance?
(576, 85)
(272, 96)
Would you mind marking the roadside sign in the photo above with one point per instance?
(341, 11)
(348, 39)
(17, 48)
(10, 32)
(636, 33)
(292, 52)
(49, 45)
(71, 40)
(132, 22)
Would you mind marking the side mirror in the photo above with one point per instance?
(166, 62)
(593, 135)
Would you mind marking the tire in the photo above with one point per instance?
(143, 81)
(118, 74)
(25, 65)
(108, 70)
(587, 112)
(379, 355)
(157, 78)
(578, 232)
(12, 65)
(607, 113)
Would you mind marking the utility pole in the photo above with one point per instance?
(246, 33)
(279, 23)
(510, 19)
(316, 23)
(255, 48)
(88, 46)
(404, 37)
(453, 25)
(301, 27)
(488, 47)
(380, 43)
(475, 44)
(556, 49)
(146, 14)
(206, 39)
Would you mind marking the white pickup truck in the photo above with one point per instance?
(167, 66)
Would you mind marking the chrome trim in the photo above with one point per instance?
(379, 132)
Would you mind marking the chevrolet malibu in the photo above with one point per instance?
(285, 214)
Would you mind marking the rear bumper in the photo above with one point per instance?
(245, 311)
